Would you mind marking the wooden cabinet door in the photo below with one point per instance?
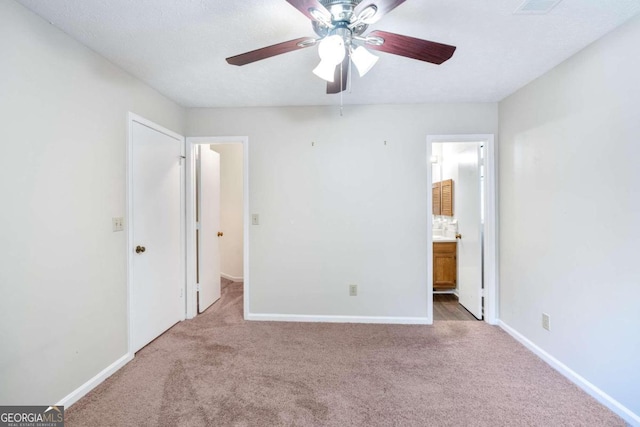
(444, 265)
(446, 191)
(436, 198)
(442, 197)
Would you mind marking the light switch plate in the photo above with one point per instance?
(255, 219)
(118, 223)
(546, 321)
(353, 290)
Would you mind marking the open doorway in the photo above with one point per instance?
(461, 228)
(219, 163)
(457, 222)
(231, 206)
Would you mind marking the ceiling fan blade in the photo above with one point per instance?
(383, 6)
(305, 6)
(419, 49)
(269, 51)
(340, 77)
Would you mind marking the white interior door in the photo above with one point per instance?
(468, 196)
(157, 276)
(209, 225)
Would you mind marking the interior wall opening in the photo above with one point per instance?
(457, 230)
(461, 228)
(216, 219)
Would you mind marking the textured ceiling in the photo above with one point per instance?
(179, 47)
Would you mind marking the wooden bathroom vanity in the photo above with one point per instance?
(444, 265)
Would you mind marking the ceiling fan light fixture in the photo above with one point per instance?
(332, 50)
(325, 70)
(340, 26)
(363, 60)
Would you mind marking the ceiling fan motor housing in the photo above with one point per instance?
(342, 16)
(341, 10)
(341, 29)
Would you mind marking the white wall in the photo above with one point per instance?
(570, 213)
(231, 209)
(62, 269)
(348, 210)
(450, 164)
(436, 168)
(452, 154)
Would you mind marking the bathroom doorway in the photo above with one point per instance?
(232, 235)
(461, 239)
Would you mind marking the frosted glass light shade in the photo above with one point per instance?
(325, 70)
(363, 60)
(331, 49)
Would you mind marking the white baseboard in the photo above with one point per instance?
(232, 278)
(602, 397)
(338, 319)
(85, 388)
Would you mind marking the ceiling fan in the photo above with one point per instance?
(340, 25)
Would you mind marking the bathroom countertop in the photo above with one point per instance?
(437, 239)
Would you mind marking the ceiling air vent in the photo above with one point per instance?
(536, 7)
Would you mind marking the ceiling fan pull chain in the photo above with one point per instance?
(341, 92)
(349, 75)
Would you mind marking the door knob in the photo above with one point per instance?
(220, 234)
(140, 249)
(458, 236)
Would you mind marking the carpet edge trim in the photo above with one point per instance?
(85, 388)
(268, 317)
(625, 413)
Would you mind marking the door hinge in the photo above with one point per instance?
(198, 287)
(197, 226)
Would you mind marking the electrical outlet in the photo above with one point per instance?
(117, 223)
(255, 219)
(546, 321)
(353, 290)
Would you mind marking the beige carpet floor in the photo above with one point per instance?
(219, 370)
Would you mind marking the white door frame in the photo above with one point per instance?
(490, 246)
(192, 142)
(131, 119)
